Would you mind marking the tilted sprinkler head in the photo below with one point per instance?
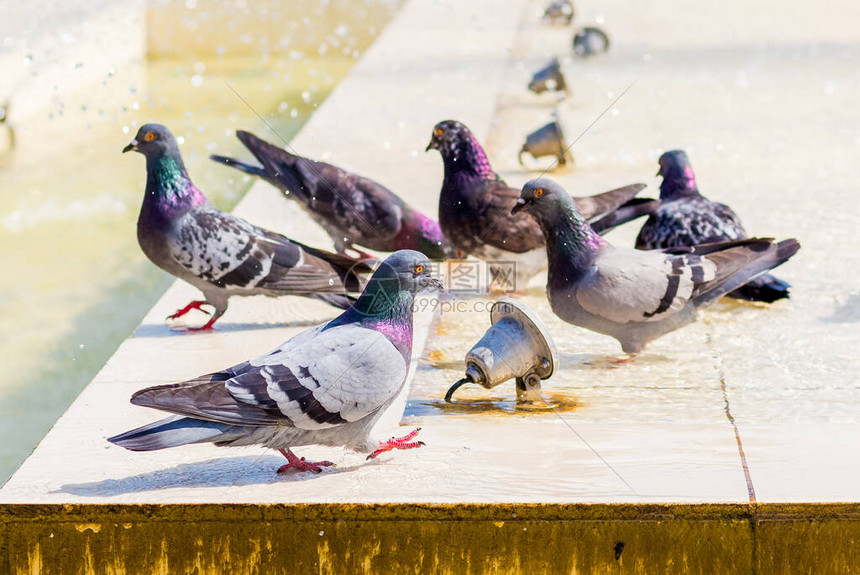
(549, 78)
(517, 346)
(547, 141)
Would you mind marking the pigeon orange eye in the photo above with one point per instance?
(419, 268)
(149, 137)
(438, 131)
(538, 192)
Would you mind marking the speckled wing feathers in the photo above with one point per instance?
(689, 221)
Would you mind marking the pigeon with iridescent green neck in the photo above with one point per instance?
(632, 295)
(220, 254)
(326, 386)
(352, 209)
(475, 206)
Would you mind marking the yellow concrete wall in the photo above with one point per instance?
(583, 539)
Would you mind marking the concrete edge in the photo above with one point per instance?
(448, 538)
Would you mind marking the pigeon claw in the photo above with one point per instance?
(301, 464)
(398, 443)
(193, 305)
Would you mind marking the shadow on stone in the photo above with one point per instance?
(847, 312)
(220, 472)
(154, 330)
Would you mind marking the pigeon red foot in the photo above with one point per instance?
(398, 443)
(193, 305)
(301, 464)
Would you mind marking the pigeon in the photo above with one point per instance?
(326, 386)
(635, 296)
(475, 205)
(686, 218)
(220, 254)
(352, 209)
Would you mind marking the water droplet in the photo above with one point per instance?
(283, 107)
(599, 19)
(199, 67)
(125, 129)
(331, 283)
(615, 111)
(294, 113)
(306, 96)
(322, 533)
(197, 80)
(28, 59)
(135, 106)
(180, 140)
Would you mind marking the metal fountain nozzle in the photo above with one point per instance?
(517, 346)
(589, 41)
(559, 12)
(549, 78)
(547, 141)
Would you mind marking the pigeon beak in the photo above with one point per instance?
(130, 147)
(435, 283)
(521, 203)
(432, 146)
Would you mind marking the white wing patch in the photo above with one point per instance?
(351, 371)
(635, 286)
(211, 246)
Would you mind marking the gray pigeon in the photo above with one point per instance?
(326, 386)
(220, 254)
(351, 208)
(475, 206)
(635, 296)
(687, 218)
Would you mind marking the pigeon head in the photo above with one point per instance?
(404, 271)
(391, 290)
(677, 173)
(544, 197)
(565, 229)
(460, 150)
(169, 189)
(153, 140)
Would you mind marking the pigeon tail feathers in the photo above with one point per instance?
(169, 432)
(246, 167)
(773, 255)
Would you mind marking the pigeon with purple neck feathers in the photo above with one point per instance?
(475, 206)
(220, 254)
(687, 218)
(632, 295)
(326, 386)
(352, 209)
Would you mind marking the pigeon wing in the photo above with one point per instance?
(495, 225)
(342, 375)
(320, 379)
(600, 205)
(687, 222)
(634, 286)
